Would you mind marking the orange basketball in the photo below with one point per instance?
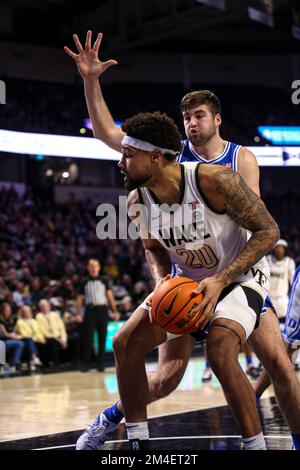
(172, 304)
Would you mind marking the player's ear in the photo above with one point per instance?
(156, 155)
(218, 119)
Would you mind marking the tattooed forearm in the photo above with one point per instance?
(249, 212)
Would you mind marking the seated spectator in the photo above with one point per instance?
(67, 291)
(13, 342)
(126, 308)
(29, 329)
(36, 291)
(119, 291)
(4, 290)
(140, 291)
(111, 267)
(126, 281)
(73, 327)
(53, 330)
(19, 295)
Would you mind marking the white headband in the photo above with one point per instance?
(282, 242)
(141, 144)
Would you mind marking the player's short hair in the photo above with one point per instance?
(196, 98)
(156, 128)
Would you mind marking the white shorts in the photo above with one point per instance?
(243, 304)
(240, 302)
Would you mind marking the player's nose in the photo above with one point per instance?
(121, 163)
(193, 121)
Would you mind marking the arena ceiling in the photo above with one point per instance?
(156, 25)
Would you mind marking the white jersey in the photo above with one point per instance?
(282, 273)
(200, 241)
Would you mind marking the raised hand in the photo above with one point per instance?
(87, 59)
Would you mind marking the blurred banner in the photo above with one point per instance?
(29, 143)
(214, 3)
(87, 123)
(295, 6)
(262, 11)
(277, 156)
(281, 135)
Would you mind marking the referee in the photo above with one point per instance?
(97, 295)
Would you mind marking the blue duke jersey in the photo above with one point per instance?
(200, 242)
(291, 332)
(229, 157)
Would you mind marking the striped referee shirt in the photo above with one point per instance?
(94, 290)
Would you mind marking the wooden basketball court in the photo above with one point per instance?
(49, 411)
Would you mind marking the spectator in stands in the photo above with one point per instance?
(126, 281)
(19, 295)
(4, 290)
(73, 327)
(29, 330)
(140, 290)
(126, 307)
(111, 267)
(13, 341)
(119, 291)
(36, 292)
(53, 330)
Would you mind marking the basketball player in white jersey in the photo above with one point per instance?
(234, 278)
(282, 269)
(173, 355)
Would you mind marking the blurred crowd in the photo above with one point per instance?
(61, 109)
(43, 252)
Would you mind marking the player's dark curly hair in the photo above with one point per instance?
(157, 129)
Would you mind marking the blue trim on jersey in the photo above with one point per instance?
(269, 303)
(214, 160)
(235, 153)
(174, 270)
(228, 157)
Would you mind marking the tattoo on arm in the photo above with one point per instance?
(249, 212)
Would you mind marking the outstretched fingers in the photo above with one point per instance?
(70, 53)
(88, 40)
(97, 43)
(77, 43)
